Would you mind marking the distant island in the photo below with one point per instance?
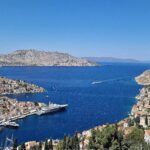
(114, 60)
(41, 58)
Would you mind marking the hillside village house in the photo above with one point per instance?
(147, 136)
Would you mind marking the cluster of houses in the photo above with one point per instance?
(35, 145)
(86, 135)
(84, 140)
(141, 110)
(8, 86)
(12, 109)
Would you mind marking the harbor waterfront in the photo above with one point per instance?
(75, 88)
(12, 110)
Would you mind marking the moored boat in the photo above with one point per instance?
(51, 108)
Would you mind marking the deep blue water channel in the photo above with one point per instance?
(89, 105)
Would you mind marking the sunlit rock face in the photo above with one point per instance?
(144, 78)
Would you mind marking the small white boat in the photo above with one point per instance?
(97, 82)
(9, 124)
(51, 108)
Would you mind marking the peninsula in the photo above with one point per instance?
(9, 86)
(41, 58)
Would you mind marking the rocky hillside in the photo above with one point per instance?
(41, 58)
(144, 78)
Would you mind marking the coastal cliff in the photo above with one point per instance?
(41, 58)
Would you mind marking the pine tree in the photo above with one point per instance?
(46, 147)
(23, 147)
(115, 145)
(40, 145)
(64, 142)
(50, 144)
(14, 144)
(76, 142)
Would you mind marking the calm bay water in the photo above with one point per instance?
(89, 105)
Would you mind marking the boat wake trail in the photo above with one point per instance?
(99, 82)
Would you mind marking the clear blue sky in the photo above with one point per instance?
(119, 28)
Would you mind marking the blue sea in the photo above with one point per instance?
(90, 104)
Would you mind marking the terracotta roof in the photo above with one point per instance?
(147, 132)
(134, 108)
(31, 143)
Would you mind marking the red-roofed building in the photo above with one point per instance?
(147, 136)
